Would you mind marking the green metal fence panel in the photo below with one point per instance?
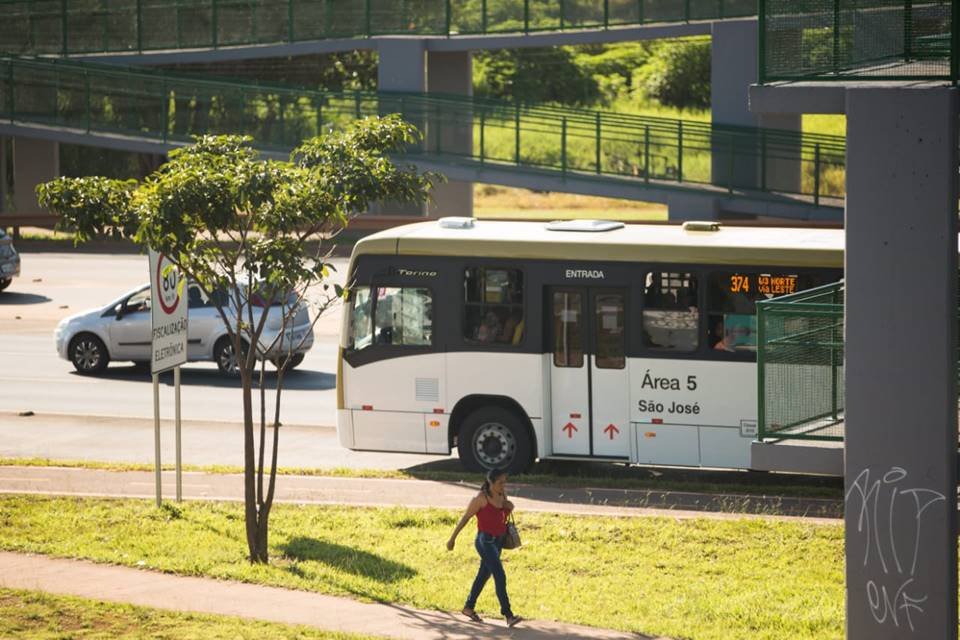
(800, 363)
(596, 145)
(86, 26)
(858, 40)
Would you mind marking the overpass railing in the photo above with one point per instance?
(87, 26)
(170, 107)
(800, 365)
(859, 40)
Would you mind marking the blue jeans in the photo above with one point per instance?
(489, 548)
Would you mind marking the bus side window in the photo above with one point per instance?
(670, 312)
(493, 300)
(361, 325)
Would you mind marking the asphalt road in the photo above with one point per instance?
(67, 406)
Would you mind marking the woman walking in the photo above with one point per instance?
(491, 508)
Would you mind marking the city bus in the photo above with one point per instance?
(575, 340)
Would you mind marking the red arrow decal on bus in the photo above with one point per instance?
(611, 429)
(569, 428)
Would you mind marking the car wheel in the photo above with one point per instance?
(88, 354)
(225, 357)
(494, 437)
(5, 282)
(288, 363)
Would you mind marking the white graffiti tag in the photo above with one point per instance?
(893, 550)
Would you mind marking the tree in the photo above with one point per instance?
(248, 230)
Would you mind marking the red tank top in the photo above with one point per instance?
(492, 520)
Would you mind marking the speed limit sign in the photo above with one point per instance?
(168, 312)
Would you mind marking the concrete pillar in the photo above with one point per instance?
(34, 162)
(401, 67)
(451, 133)
(734, 63)
(901, 358)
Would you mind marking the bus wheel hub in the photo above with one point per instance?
(494, 444)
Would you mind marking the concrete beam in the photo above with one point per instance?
(433, 43)
(901, 358)
(682, 197)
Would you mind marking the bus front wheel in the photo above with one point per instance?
(493, 437)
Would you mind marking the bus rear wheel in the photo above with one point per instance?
(493, 437)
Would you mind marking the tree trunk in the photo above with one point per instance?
(249, 469)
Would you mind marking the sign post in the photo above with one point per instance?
(168, 315)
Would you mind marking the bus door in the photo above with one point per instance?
(589, 385)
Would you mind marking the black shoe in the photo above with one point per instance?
(470, 613)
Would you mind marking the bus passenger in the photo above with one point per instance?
(513, 328)
(492, 508)
(490, 328)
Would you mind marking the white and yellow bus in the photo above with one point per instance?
(593, 340)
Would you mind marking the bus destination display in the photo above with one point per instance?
(763, 283)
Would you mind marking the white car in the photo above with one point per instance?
(121, 330)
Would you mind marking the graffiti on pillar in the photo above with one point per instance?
(880, 500)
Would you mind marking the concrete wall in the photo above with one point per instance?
(901, 349)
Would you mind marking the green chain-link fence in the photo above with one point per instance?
(84, 26)
(173, 107)
(859, 40)
(800, 362)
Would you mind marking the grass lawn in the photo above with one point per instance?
(698, 579)
(32, 614)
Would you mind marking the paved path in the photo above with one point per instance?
(381, 492)
(204, 595)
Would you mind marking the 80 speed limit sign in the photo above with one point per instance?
(168, 313)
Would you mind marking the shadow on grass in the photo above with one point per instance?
(349, 559)
(621, 485)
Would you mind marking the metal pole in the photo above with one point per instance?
(563, 147)
(761, 41)
(86, 98)
(483, 117)
(686, 10)
(816, 174)
(290, 32)
(140, 26)
(156, 431)
(516, 141)
(646, 153)
(599, 164)
(680, 151)
(640, 11)
(908, 29)
(176, 393)
(836, 35)
(213, 22)
(955, 42)
(447, 18)
(526, 16)
(606, 14)
(563, 14)
(63, 26)
(165, 98)
(483, 16)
